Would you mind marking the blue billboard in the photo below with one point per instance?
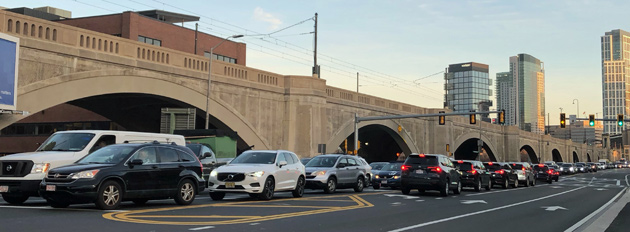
(8, 71)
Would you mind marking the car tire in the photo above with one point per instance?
(331, 185)
(478, 185)
(527, 182)
(268, 190)
(550, 181)
(109, 195)
(376, 186)
(217, 196)
(489, 186)
(185, 192)
(299, 188)
(140, 201)
(445, 188)
(57, 204)
(515, 183)
(405, 190)
(533, 182)
(359, 185)
(421, 191)
(557, 179)
(458, 189)
(506, 183)
(14, 200)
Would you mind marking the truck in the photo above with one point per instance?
(21, 174)
(213, 147)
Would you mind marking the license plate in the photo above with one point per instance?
(420, 171)
(383, 182)
(51, 188)
(541, 172)
(4, 189)
(229, 185)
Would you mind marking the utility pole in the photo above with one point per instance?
(196, 30)
(315, 67)
(357, 82)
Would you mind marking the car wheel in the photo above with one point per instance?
(527, 182)
(58, 204)
(489, 186)
(217, 196)
(557, 179)
(534, 182)
(109, 195)
(421, 191)
(405, 190)
(445, 188)
(506, 183)
(299, 188)
(359, 186)
(14, 200)
(140, 201)
(550, 181)
(458, 190)
(478, 185)
(186, 193)
(331, 185)
(376, 186)
(267, 192)
(515, 183)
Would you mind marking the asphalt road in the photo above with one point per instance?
(545, 207)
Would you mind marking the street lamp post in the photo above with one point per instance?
(210, 77)
(578, 107)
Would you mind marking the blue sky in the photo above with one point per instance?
(392, 44)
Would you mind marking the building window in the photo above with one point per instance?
(220, 57)
(151, 41)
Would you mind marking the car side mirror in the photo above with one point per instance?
(207, 154)
(282, 163)
(135, 162)
(341, 165)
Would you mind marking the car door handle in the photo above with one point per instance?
(154, 166)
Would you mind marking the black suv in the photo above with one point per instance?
(120, 172)
(543, 172)
(502, 174)
(430, 172)
(474, 174)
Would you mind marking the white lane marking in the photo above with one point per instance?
(483, 211)
(506, 190)
(556, 187)
(396, 203)
(468, 202)
(253, 224)
(403, 196)
(419, 200)
(618, 182)
(439, 198)
(585, 219)
(601, 189)
(553, 208)
(202, 228)
(628, 184)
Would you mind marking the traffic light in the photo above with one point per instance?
(619, 119)
(563, 120)
(502, 117)
(473, 117)
(591, 120)
(442, 118)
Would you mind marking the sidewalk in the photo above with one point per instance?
(614, 218)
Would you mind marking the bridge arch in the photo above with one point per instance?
(528, 154)
(465, 141)
(403, 138)
(39, 96)
(575, 157)
(555, 155)
(588, 157)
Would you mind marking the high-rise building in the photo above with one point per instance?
(615, 78)
(468, 88)
(521, 93)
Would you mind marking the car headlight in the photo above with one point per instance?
(396, 177)
(256, 174)
(213, 173)
(40, 168)
(323, 172)
(85, 174)
(377, 177)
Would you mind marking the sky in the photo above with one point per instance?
(400, 47)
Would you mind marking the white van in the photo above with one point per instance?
(20, 174)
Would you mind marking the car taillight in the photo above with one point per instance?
(405, 167)
(460, 161)
(550, 172)
(473, 171)
(435, 169)
(541, 165)
(421, 155)
(500, 171)
(490, 163)
(523, 168)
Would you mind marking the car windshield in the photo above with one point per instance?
(422, 160)
(107, 155)
(66, 142)
(255, 158)
(553, 166)
(567, 165)
(392, 167)
(465, 166)
(323, 161)
(580, 165)
(196, 148)
(377, 166)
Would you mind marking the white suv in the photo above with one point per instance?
(259, 173)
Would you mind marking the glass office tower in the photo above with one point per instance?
(615, 73)
(468, 88)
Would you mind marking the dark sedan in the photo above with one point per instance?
(388, 176)
(120, 172)
(542, 172)
(502, 174)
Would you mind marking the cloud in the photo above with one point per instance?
(260, 14)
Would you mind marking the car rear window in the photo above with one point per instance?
(426, 160)
(493, 167)
(538, 168)
(464, 166)
(517, 166)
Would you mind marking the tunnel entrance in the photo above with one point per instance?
(468, 150)
(377, 143)
(556, 155)
(588, 157)
(528, 155)
(575, 157)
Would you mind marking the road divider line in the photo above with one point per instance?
(202, 228)
(627, 180)
(483, 211)
(585, 219)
